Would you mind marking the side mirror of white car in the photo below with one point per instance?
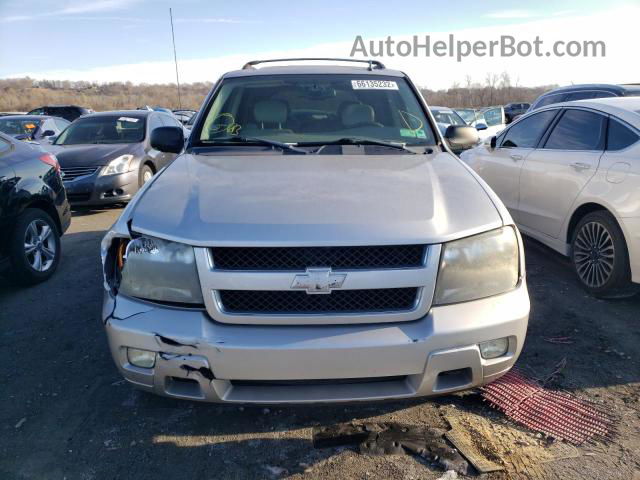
(481, 126)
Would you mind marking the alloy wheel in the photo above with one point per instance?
(40, 245)
(594, 254)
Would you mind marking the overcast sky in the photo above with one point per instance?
(105, 40)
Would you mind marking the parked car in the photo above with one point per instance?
(34, 211)
(32, 127)
(317, 242)
(184, 115)
(471, 116)
(495, 121)
(68, 112)
(106, 157)
(584, 92)
(570, 176)
(514, 110)
(445, 117)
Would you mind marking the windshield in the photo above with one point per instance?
(103, 129)
(447, 117)
(467, 114)
(316, 109)
(18, 126)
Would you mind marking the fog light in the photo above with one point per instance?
(494, 348)
(141, 358)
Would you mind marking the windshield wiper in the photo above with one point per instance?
(360, 141)
(264, 141)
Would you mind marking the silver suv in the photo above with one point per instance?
(316, 241)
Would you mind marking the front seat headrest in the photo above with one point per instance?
(270, 112)
(357, 113)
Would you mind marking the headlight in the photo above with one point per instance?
(118, 165)
(478, 266)
(155, 269)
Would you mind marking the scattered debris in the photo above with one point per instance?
(275, 471)
(21, 422)
(559, 414)
(449, 475)
(462, 441)
(559, 340)
(393, 439)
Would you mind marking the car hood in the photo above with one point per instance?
(263, 200)
(89, 155)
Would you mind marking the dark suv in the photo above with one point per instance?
(584, 92)
(34, 211)
(513, 110)
(68, 112)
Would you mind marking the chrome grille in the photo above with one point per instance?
(339, 301)
(300, 258)
(71, 173)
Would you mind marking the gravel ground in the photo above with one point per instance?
(66, 413)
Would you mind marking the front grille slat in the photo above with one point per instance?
(299, 302)
(300, 258)
(71, 173)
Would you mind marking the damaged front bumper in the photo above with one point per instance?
(200, 359)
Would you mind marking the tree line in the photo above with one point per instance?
(24, 94)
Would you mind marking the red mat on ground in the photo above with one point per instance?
(558, 414)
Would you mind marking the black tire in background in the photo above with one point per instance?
(600, 257)
(23, 258)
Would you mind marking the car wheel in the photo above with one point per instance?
(600, 257)
(34, 249)
(146, 172)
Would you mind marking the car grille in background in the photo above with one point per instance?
(71, 173)
(300, 258)
(338, 301)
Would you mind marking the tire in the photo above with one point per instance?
(146, 172)
(35, 228)
(600, 257)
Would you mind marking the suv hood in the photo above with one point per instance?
(89, 155)
(207, 200)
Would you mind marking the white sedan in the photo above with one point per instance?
(570, 176)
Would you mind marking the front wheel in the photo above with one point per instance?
(34, 249)
(146, 172)
(600, 257)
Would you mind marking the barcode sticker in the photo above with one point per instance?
(374, 85)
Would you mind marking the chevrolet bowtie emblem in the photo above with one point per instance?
(318, 280)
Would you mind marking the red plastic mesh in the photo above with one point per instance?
(555, 413)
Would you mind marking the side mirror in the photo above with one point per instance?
(167, 139)
(481, 126)
(48, 133)
(493, 142)
(461, 137)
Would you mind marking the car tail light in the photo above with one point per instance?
(50, 159)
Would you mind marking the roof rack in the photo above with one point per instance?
(371, 63)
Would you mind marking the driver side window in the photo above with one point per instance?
(527, 132)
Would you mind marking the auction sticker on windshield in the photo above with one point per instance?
(374, 85)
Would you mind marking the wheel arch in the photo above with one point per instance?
(579, 213)
(49, 209)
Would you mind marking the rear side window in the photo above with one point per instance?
(578, 130)
(620, 137)
(527, 132)
(60, 123)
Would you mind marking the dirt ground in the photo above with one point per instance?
(66, 413)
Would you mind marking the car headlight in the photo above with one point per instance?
(155, 269)
(121, 164)
(478, 267)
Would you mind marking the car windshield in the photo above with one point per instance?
(103, 129)
(447, 117)
(18, 126)
(467, 114)
(316, 109)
